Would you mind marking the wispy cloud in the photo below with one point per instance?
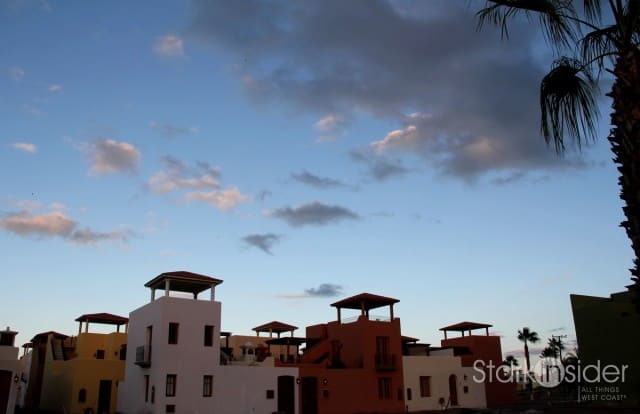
(331, 127)
(313, 214)
(25, 146)
(108, 156)
(202, 177)
(179, 176)
(55, 88)
(316, 181)
(57, 224)
(169, 45)
(16, 73)
(324, 290)
(173, 131)
(263, 242)
(379, 167)
(222, 199)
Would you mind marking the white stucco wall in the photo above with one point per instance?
(189, 359)
(439, 368)
(243, 389)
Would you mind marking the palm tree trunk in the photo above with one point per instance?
(625, 143)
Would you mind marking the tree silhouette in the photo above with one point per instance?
(587, 45)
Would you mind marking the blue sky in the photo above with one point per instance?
(301, 154)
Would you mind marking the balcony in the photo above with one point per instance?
(385, 362)
(143, 356)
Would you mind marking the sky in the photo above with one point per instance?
(300, 151)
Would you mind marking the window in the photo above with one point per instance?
(384, 388)
(123, 352)
(208, 335)
(270, 394)
(465, 389)
(171, 385)
(409, 394)
(170, 408)
(207, 385)
(173, 333)
(82, 395)
(425, 386)
(146, 388)
(100, 354)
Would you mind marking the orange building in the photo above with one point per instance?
(351, 365)
(486, 348)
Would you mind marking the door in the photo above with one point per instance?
(5, 390)
(286, 403)
(309, 395)
(453, 390)
(104, 397)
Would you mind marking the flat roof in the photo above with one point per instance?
(183, 281)
(105, 318)
(46, 335)
(404, 338)
(465, 326)
(275, 326)
(365, 301)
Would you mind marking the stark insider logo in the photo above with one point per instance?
(550, 372)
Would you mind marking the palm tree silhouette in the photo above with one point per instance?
(568, 91)
(527, 336)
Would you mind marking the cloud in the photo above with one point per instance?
(222, 199)
(16, 73)
(57, 224)
(25, 146)
(331, 127)
(380, 167)
(169, 45)
(57, 206)
(324, 290)
(203, 177)
(172, 131)
(314, 214)
(108, 156)
(464, 101)
(178, 176)
(263, 242)
(55, 88)
(316, 181)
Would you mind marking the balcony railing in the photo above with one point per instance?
(385, 362)
(143, 356)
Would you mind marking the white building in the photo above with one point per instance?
(10, 373)
(173, 358)
(438, 380)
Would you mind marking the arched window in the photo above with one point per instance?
(82, 395)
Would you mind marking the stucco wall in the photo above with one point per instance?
(440, 368)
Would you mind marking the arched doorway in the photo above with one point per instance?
(453, 390)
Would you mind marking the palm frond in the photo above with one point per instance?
(592, 10)
(567, 100)
(598, 44)
(555, 17)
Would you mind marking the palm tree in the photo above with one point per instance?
(527, 336)
(556, 345)
(568, 91)
(510, 361)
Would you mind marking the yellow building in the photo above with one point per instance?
(81, 374)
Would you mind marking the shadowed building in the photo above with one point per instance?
(608, 334)
(472, 347)
(354, 364)
(78, 374)
(10, 374)
(174, 365)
